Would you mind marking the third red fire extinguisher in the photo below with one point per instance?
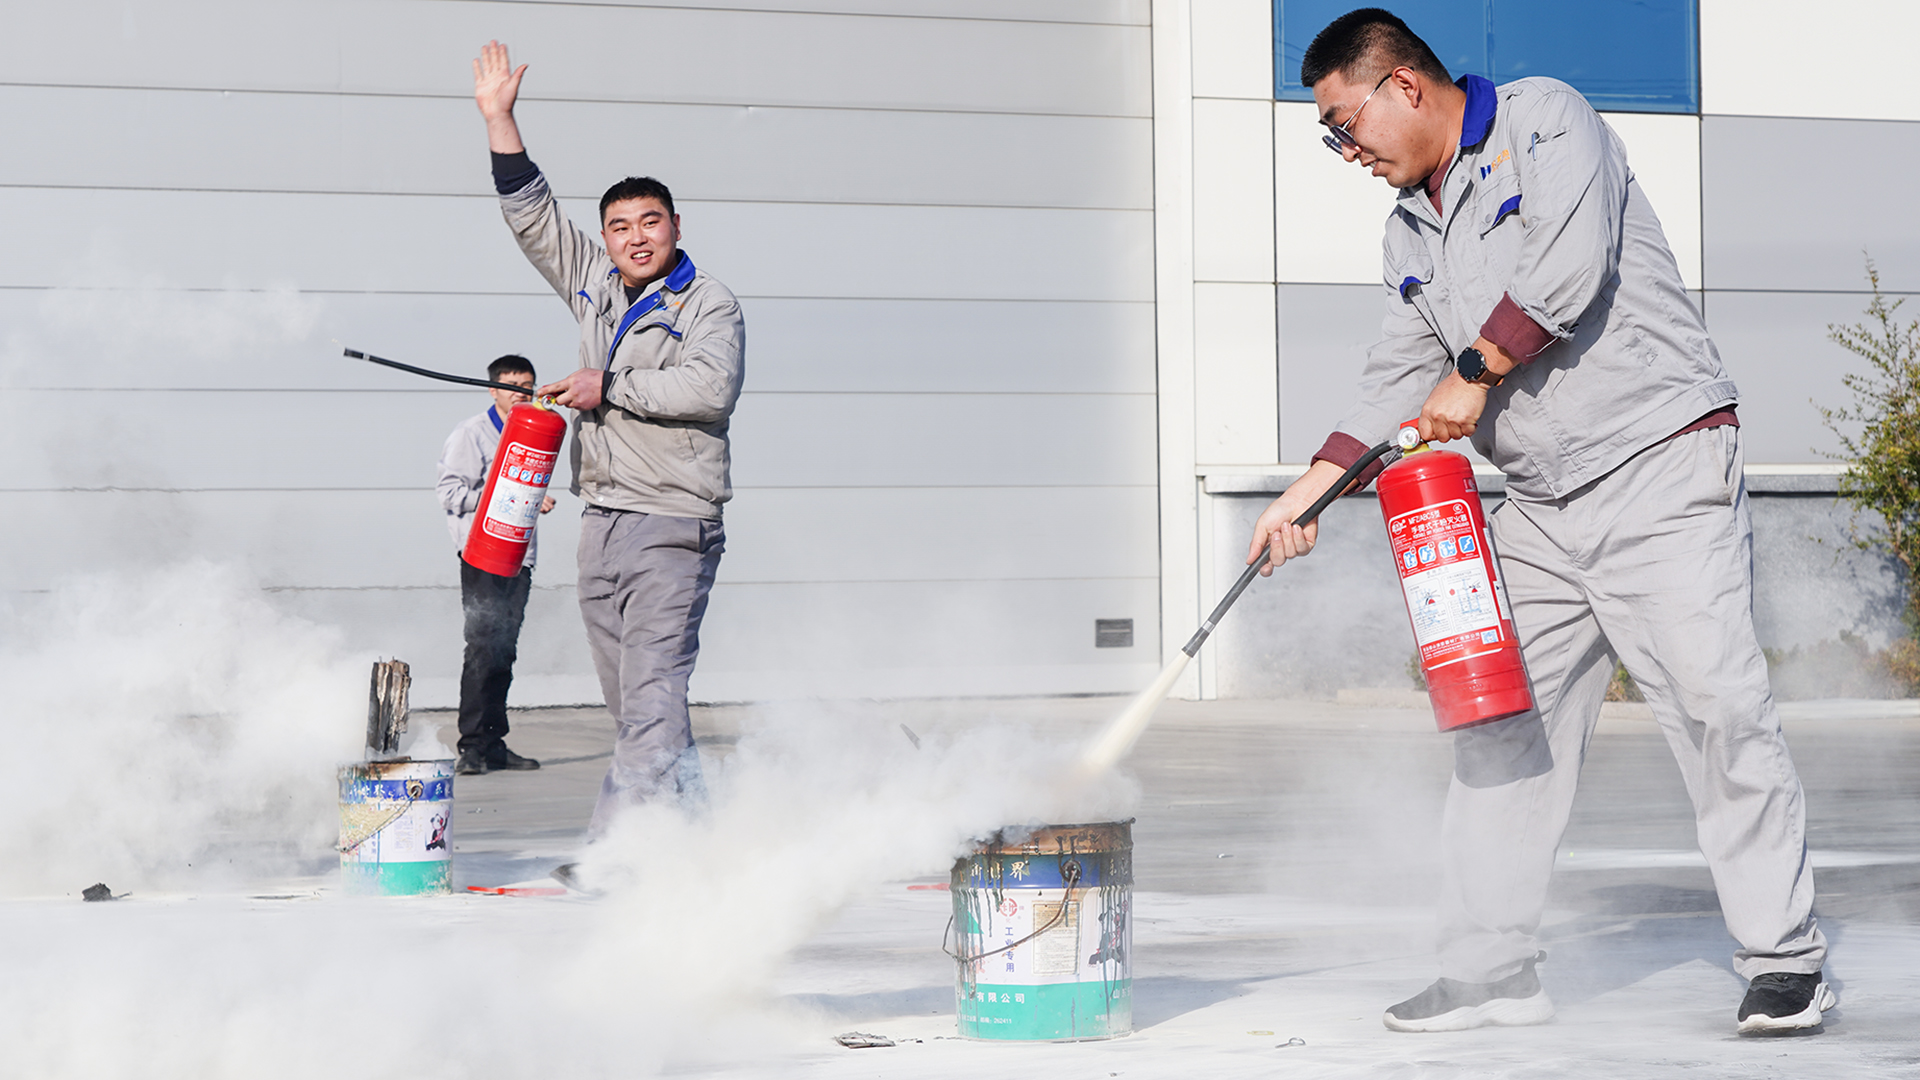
(516, 485)
(1455, 598)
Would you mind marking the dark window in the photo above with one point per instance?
(1624, 55)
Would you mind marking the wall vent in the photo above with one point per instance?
(1113, 633)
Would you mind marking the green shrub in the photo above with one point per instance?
(1880, 436)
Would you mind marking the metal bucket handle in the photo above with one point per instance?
(1069, 877)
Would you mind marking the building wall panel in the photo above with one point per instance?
(1235, 396)
(1233, 49)
(1818, 239)
(1664, 153)
(939, 440)
(1757, 58)
(216, 140)
(1232, 191)
(585, 52)
(1775, 346)
(1330, 214)
(940, 228)
(386, 244)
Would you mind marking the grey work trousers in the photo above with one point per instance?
(644, 580)
(1654, 563)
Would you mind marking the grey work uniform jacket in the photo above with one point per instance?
(658, 444)
(1540, 206)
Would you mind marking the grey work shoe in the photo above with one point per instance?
(1779, 1001)
(471, 763)
(1450, 1005)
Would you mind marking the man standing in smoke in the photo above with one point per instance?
(1533, 305)
(662, 353)
(492, 607)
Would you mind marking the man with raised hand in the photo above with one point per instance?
(1533, 305)
(662, 355)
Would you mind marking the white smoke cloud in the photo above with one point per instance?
(153, 335)
(171, 719)
(177, 718)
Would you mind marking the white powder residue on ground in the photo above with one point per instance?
(182, 737)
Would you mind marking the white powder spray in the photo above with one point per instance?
(178, 719)
(166, 727)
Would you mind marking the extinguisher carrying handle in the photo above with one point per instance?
(1246, 578)
(441, 375)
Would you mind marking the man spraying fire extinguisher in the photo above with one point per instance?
(1532, 304)
(492, 606)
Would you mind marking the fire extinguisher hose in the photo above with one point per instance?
(1107, 748)
(1339, 488)
(441, 375)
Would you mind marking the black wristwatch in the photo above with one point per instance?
(1473, 367)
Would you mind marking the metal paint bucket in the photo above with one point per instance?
(393, 828)
(1044, 923)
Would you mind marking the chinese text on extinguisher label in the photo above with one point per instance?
(1443, 570)
(517, 494)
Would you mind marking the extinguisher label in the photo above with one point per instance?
(1443, 569)
(517, 494)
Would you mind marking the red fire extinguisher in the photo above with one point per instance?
(522, 468)
(1455, 599)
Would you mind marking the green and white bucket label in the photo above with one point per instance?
(1045, 963)
(393, 827)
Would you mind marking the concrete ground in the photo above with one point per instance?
(1285, 867)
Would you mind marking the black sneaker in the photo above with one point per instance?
(1448, 1005)
(502, 758)
(471, 763)
(1785, 1001)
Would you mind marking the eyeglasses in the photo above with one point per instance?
(1340, 139)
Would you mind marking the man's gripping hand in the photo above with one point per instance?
(581, 390)
(496, 86)
(1453, 410)
(1276, 529)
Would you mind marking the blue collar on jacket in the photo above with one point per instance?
(493, 414)
(1477, 123)
(677, 279)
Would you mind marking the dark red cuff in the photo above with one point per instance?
(1343, 450)
(1515, 331)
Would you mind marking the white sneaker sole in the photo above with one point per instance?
(1500, 1012)
(1823, 999)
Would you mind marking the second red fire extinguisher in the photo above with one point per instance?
(1455, 598)
(517, 484)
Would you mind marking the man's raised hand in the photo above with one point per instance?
(496, 86)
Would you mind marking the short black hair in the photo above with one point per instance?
(510, 364)
(636, 187)
(1363, 45)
